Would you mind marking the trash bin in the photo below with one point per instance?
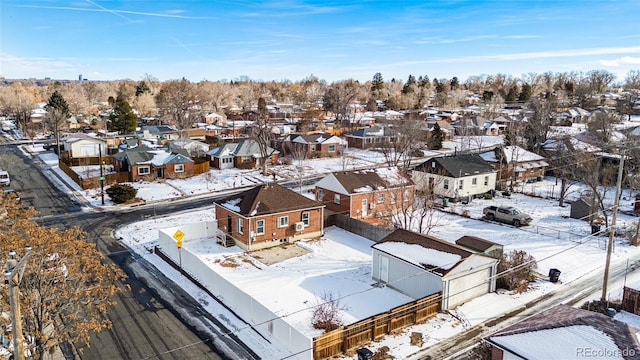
(445, 202)
(364, 354)
(554, 275)
(595, 228)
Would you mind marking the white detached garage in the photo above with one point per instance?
(419, 265)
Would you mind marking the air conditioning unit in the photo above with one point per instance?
(372, 206)
(299, 226)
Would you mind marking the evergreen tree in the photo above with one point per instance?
(454, 83)
(525, 93)
(123, 119)
(57, 112)
(377, 85)
(435, 141)
(409, 85)
(142, 88)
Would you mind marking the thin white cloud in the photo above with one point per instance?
(558, 53)
(625, 60)
(115, 11)
(440, 41)
(521, 37)
(34, 66)
(292, 8)
(174, 11)
(528, 55)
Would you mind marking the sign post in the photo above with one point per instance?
(178, 236)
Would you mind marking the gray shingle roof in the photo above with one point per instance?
(563, 316)
(456, 166)
(475, 243)
(360, 179)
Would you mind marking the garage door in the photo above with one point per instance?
(468, 287)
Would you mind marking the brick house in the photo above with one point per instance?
(370, 137)
(144, 164)
(268, 215)
(565, 332)
(313, 145)
(515, 163)
(366, 194)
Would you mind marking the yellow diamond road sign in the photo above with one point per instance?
(179, 235)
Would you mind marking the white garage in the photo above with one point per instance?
(419, 265)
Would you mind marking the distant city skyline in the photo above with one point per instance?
(332, 40)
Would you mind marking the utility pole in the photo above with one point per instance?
(612, 229)
(101, 174)
(13, 277)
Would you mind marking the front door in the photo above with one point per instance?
(229, 224)
(160, 173)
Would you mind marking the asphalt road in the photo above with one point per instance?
(153, 318)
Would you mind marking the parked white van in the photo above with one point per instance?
(4, 178)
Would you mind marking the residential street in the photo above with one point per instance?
(147, 324)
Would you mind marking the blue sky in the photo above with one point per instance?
(333, 40)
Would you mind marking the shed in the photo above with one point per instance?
(419, 265)
(482, 246)
(581, 209)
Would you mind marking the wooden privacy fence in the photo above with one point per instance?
(347, 339)
(94, 182)
(200, 167)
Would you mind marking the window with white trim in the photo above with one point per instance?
(380, 198)
(283, 221)
(474, 182)
(336, 199)
(393, 198)
(445, 184)
(144, 170)
(305, 218)
(178, 168)
(461, 184)
(240, 226)
(260, 227)
(332, 148)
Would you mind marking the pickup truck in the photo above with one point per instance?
(506, 214)
(4, 178)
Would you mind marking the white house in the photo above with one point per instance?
(455, 176)
(419, 265)
(80, 146)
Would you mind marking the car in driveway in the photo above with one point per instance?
(13, 192)
(506, 214)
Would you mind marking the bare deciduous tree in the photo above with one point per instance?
(67, 286)
(176, 100)
(326, 314)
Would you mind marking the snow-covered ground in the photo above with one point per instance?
(341, 261)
